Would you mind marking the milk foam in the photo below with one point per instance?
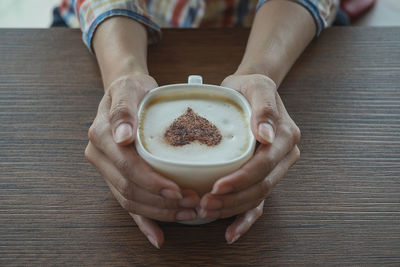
(226, 116)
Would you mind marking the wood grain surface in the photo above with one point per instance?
(340, 205)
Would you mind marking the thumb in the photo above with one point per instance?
(261, 93)
(123, 111)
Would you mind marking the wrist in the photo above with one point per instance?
(138, 84)
(126, 65)
(280, 32)
(258, 68)
(120, 45)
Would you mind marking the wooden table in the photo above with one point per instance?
(339, 205)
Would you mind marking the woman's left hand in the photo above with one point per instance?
(243, 192)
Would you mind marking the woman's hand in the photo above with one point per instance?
(140, 190)
(243, 192)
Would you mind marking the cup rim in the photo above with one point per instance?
(139, 145)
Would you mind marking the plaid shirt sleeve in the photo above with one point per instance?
(322, 11)
(91, 13)
(88, 14)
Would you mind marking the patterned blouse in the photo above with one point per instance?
(157, 14)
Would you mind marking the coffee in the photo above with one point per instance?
(194, 128)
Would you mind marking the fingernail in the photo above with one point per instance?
(220, 191)
(266, 131)
(234, 239)
(153, 241)
(123, 132)
(202, 213)
(171, 194)
(185, 215)
(213, 204)
(189, 202)
(209, 214)
(242, 227)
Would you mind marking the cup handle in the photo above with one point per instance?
(195, 79)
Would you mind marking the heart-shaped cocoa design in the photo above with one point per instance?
(190, 127)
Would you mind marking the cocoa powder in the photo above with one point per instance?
(190, 127)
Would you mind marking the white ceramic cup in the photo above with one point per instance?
(197, 176)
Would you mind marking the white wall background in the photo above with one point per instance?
(26, 13)
(38, 13)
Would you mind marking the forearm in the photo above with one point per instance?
(120, 45)
(281, 31)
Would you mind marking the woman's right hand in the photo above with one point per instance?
(140, 190)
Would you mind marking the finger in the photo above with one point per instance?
(131, 191)
(129, 163)
(190, 199)
(289, 127)
(150, 229)
(242, 223)
(125, 97)
(260, 91)
(104, 106)
(222, 206)
(101, 122)
(166, 215)
(259, 166)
